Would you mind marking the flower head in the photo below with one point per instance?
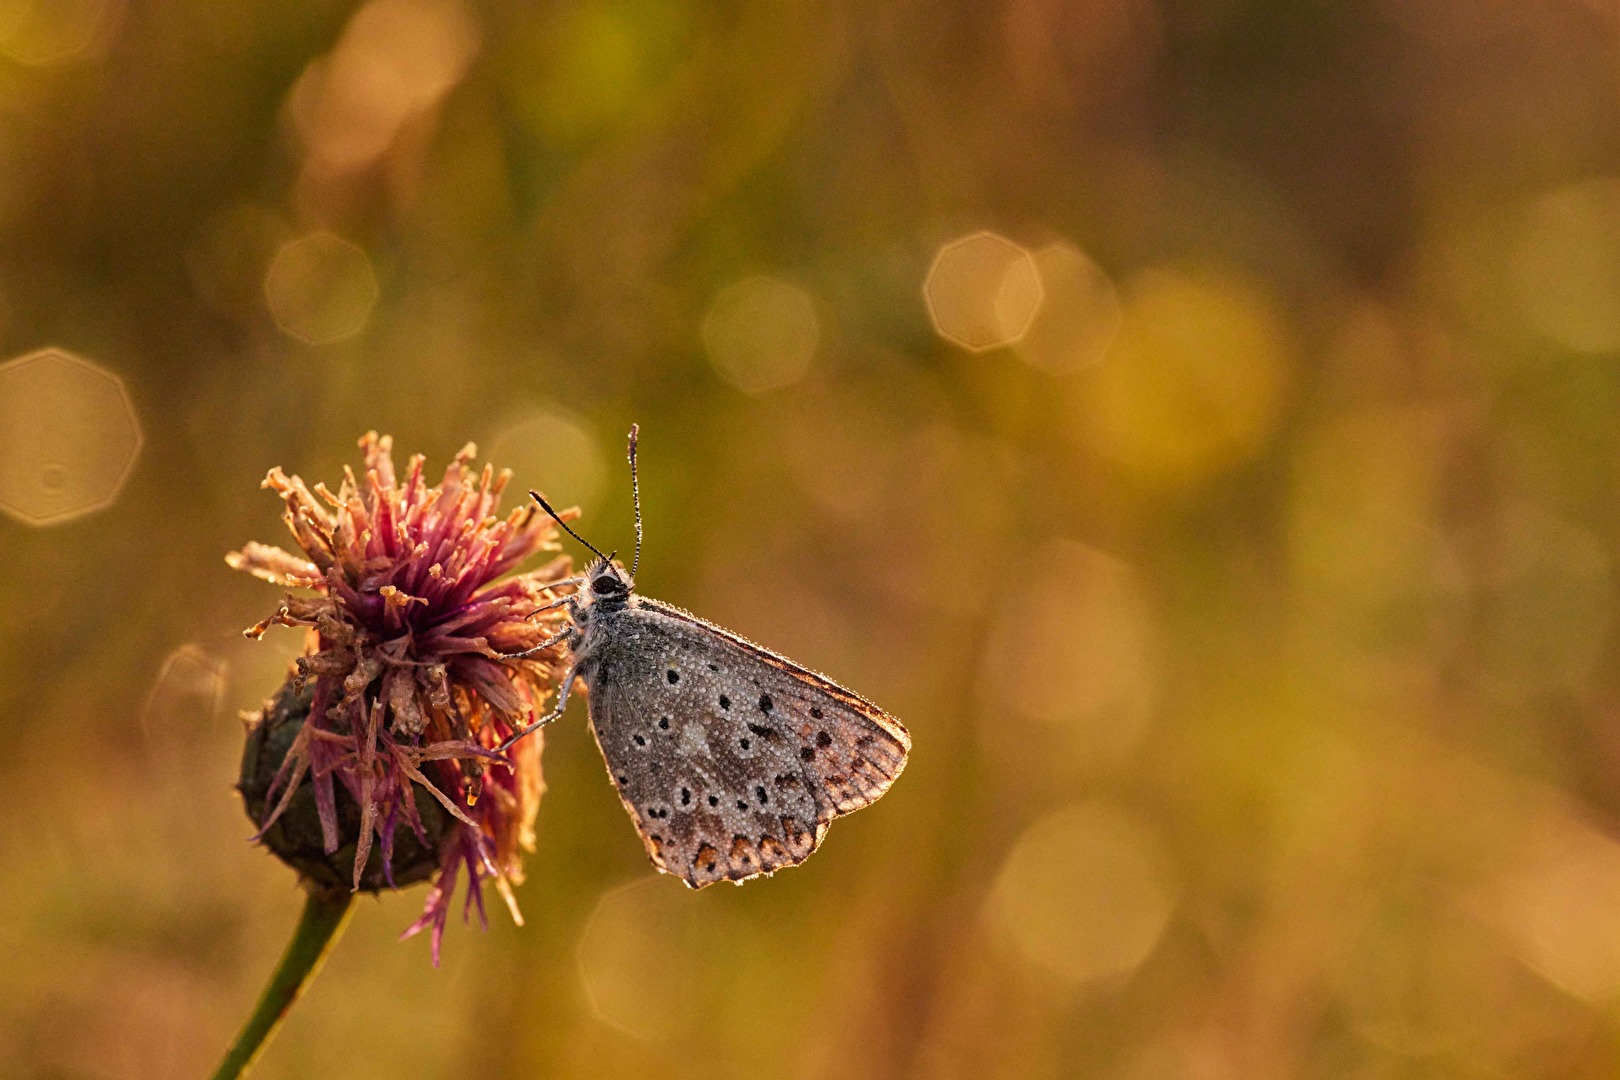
(410, 627)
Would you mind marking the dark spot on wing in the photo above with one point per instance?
(744, 743)
(742, 804)
(641, 740)
(686, 796)
(714, 667)
(672, 675)
(764, 703)
(823, 739)
(759, 793)
(725, 702)
(806, 753)
(762, 731)
(815, 711)
(663, 723)
(714, 800)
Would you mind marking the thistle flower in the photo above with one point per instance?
(410, 688)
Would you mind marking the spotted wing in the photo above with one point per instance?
(731, 760)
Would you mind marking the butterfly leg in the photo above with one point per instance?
(553, 605)
(562, 703)
(561, 601)
(542, 647)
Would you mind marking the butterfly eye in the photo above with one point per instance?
(606, 584)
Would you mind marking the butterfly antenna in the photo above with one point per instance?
(635, 493)
(541, 499)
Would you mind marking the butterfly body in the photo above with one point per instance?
(730, 759)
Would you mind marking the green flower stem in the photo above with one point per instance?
(326, 913)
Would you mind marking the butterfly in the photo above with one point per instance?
(731, 759)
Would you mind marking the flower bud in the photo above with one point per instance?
(295, 837)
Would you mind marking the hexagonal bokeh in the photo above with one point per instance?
(68, 437)
(185, 696)
(321, 288)
(642, 959)
(983, 292)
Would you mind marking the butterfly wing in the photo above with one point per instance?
(731, 760)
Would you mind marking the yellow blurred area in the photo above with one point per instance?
(1194, 381)
(588, 64)
(1379, 589)
(1198, 422)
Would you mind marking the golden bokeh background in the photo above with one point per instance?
(1199, 420)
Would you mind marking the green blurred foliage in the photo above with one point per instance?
(1252, 612)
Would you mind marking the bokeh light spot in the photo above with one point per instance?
(320, 288)
(553, 453)
(1085, 894)
(1074, 648)
(43, 32)
(761, 334)
(636, 956)
(68, 437)
(396, 59)
(1569, 266)
(1561, 908)
(1079, 314)
(1195, 380)
(982, 291)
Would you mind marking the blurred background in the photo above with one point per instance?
(1197, 419)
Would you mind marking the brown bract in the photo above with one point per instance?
(411, 609)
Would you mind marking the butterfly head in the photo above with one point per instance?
(607, 581)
